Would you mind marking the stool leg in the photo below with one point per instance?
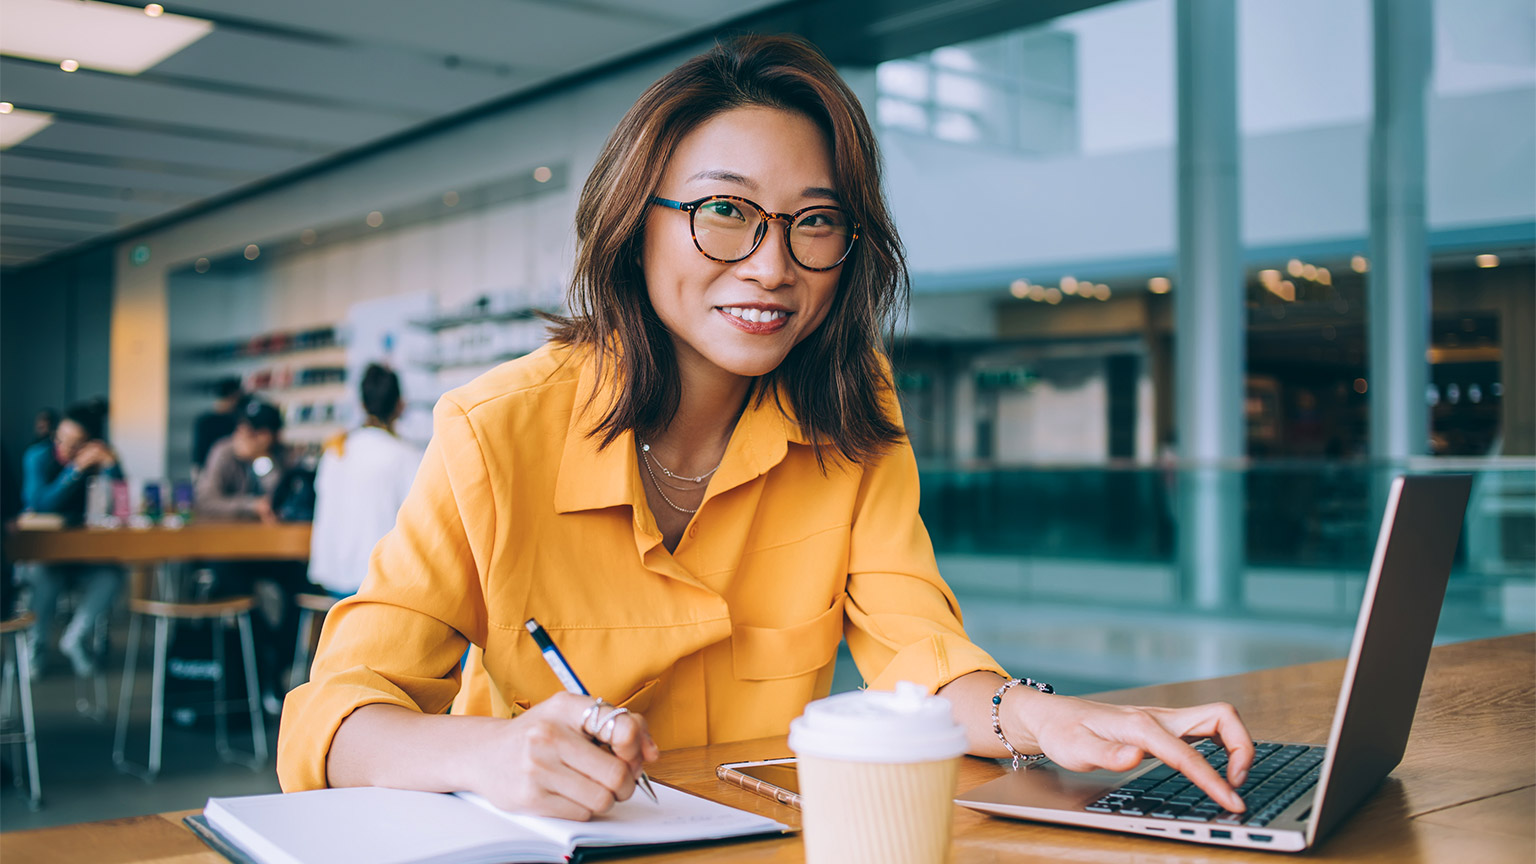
(28, 723)
(253, 691)
(298, 673)
(157, 688)
(220, 721)
(125, 696)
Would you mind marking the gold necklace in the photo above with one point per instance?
(645, 460)
(646, 450)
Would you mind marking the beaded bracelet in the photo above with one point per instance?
(997, 724)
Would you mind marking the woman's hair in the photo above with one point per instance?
(834, 379)
(90, 415)
(381, 392)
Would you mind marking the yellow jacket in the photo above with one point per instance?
(516, 514)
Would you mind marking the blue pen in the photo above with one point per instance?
(572, 684)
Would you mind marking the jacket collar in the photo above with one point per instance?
(591, 478)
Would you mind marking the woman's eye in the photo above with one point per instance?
(722, 209)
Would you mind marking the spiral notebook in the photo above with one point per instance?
(396, 826)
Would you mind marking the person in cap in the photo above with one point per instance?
(243, 469)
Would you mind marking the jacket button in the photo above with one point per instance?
(693, 530)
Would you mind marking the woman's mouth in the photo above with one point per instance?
(754, 320)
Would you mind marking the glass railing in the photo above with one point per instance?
(1075, 570)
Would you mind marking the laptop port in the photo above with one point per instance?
(1219, 834)
(1261, 838)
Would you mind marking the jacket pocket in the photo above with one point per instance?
(771, 653)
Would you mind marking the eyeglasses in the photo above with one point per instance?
(728, 228)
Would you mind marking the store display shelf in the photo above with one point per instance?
(441, 363)
(522, 313)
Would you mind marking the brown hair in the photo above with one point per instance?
(834, 379)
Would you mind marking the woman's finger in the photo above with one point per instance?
(1158, 741)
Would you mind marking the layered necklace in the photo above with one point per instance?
(690, 484)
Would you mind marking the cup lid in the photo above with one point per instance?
(900, 726)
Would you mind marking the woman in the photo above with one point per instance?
(55, 474)
(361, 481)
(699, 488)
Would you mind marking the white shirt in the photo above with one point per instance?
(357, 496)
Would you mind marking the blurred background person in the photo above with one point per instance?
(43, 425)
(363, 477)
(238, 482)
(218, 422)
(54, 479)
(242, 470)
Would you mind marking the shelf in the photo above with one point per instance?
(486, 362)
(521, 314)
(324, 352)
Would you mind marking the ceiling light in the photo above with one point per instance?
(542, 174)
(1269, 277)
(451, 198)
(95, 35)
(1053, 296)
(1019, 288)
(1069, 284)
(1324, 277)
(308, 236)
(375, 219)
(1293, 266)
(1486, 260)
(19, 124)
(1359, 264)
(6, 107)
(202, 265)
(1101, 292)
(252, 251)
(154, 10)
(1159, 285)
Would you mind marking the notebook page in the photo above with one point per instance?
(382, 826)
(678, 818)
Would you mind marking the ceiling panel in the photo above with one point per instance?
(554, 35)
(45, 88)
(139, 144)
(281, 84)
(360, 74)
(117, 201)
(19, 166)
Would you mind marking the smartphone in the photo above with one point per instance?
(771, 778)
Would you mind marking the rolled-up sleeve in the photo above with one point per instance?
(398, 641)
(903, 622)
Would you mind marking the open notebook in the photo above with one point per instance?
(395, 826)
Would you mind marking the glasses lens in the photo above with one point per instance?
(820, 238)
(725, 229)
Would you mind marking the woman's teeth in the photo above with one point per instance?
(754, 315)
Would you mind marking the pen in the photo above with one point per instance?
(572, 684)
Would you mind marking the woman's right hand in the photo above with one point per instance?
(543, 762)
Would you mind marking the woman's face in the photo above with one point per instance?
(68, 438)
(782, 161)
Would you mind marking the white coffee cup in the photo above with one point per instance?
(877, 774)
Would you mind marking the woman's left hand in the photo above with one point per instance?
(1080, 735)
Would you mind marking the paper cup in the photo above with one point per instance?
(877, 775)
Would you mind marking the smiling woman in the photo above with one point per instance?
(700, 488)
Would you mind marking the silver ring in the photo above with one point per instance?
(608, 723)
(590, 714)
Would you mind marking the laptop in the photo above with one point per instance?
(1295, 793)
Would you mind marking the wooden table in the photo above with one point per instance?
(224, 541)
(1465, 792)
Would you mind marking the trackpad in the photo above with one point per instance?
(1048, 786)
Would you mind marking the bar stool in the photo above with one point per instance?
(163, 613)
(20, 670)
(309, 605)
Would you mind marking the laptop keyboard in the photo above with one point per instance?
(1280, 775)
